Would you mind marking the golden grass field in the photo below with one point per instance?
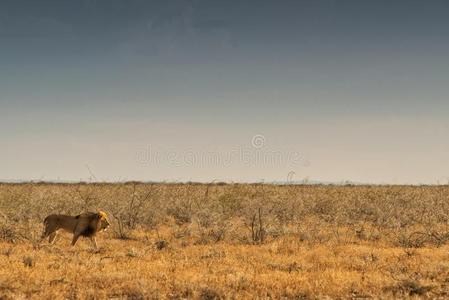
(229, 241)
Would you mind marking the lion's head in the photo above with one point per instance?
(103, 221)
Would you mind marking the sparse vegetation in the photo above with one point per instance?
(218, 241)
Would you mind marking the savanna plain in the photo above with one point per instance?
(228, 241)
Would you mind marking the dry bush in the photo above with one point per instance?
(392, 214)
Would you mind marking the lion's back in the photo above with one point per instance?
(65, 222)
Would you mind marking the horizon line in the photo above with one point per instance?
(218, 182)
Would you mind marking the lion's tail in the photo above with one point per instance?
(44, 232)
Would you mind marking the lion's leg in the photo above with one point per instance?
(75, 238)
(45, 234)
(52, 237)
(94, 242)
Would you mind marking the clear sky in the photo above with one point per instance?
(229, 90)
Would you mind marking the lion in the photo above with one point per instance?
(86, 225)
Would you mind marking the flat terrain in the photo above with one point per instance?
(182, 241)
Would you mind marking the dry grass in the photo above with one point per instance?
(183, 241)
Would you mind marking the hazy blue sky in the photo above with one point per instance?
(181, 90)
